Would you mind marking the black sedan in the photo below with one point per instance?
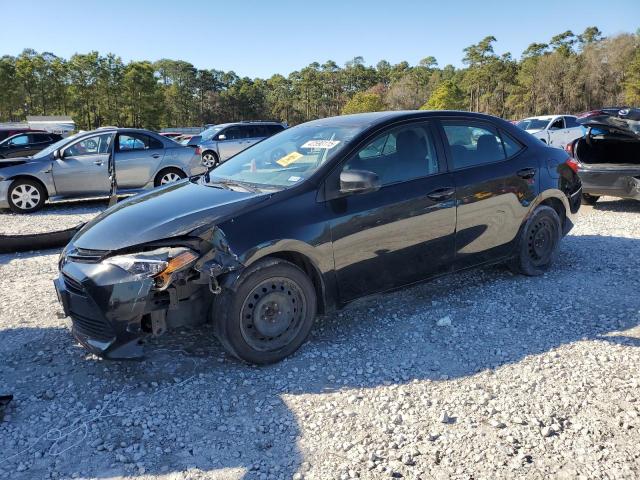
(311, 219)
(27, 143)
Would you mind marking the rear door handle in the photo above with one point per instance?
(98, 162)
(526, 173)
(441, 194)
(156, 155)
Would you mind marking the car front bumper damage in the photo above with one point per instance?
(112, 311)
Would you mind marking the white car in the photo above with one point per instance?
(554, 130)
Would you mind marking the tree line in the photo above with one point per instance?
(570, 73)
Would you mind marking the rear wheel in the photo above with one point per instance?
(269, 315)
(26, 196)
(589, 199)
(210, 159)
(168, 175)
(538, 244)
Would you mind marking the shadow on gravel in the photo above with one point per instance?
(618, 205)
(188, 405)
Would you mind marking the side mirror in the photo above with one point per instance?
(358, 181)
(57, 154)
(222, 136)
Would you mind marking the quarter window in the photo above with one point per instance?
(511, 145)
(399, 155)
(472, 145)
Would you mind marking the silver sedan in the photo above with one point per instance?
(78, 167)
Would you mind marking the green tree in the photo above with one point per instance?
(448, 96)
(364, 102)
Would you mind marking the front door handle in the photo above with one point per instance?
(441, 194)
(156, 155)
(526, 173)
(98, 162)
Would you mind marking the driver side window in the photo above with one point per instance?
(90, 146)
(398, 155)
(557, 125)
(20, 140)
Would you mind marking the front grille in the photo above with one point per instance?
(85, 255)
(93, 328)
(73, 285)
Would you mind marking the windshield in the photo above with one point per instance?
(532, 124)
(287, 157)
(55, 146)
(210, 132)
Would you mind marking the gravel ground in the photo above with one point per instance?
(479, 375)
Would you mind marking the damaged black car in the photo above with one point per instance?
(608, 155)
(310, 219)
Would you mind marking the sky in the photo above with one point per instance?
(260, 38)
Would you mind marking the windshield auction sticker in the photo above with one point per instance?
(327, 144)
(289, 159)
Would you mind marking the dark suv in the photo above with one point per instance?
(220, 142)
(27, 143)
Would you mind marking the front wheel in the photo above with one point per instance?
(589, 199)
(269, 315)
(538, 243)
(26, 196)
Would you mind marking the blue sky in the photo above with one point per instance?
(260, 38)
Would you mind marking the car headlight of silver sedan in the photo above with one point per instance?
(160, 264)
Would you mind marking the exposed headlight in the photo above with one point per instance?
(160, 264)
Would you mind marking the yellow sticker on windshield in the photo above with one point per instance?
(289, 159)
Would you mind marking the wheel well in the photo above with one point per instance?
(208, 150)
(558, 206)
(303, 262)
(32, 179)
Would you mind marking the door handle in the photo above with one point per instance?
(98, 162)
(526, 173)
(441, 194)
(156, 155)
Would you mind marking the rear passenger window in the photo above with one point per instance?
(472, 144)
(571, 122)
(399, 155)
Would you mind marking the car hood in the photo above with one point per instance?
(12, 162)
(166, 212)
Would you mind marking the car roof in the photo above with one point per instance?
(370, 119)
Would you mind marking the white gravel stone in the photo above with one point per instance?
(541, 375)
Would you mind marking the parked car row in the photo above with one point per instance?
(78, 166)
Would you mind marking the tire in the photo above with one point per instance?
(26, 196)
(538, 243)
(268, 315)
(589, 199)
(168, 175)
(210, 159)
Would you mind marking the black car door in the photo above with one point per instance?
(404, 231)
(18, 146)
(496, 180)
